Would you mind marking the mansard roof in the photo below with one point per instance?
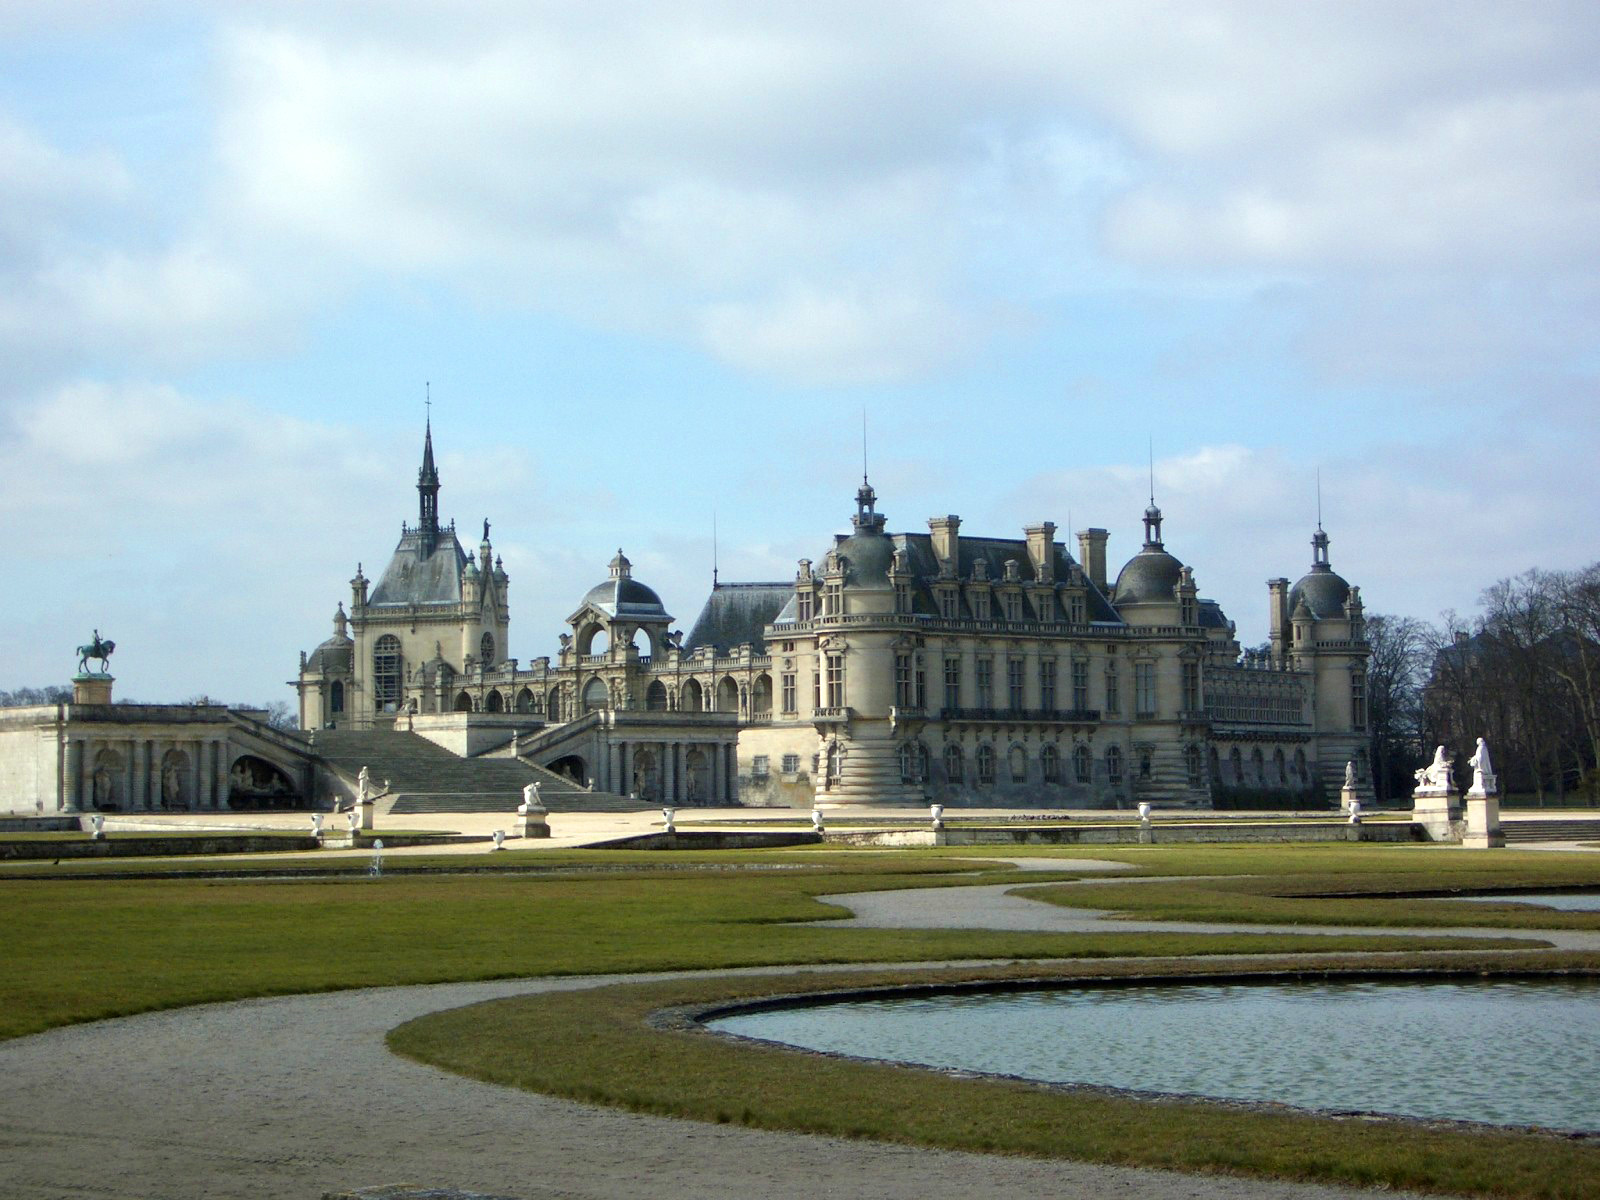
(736, 614)
(994, 553)
(415, 577)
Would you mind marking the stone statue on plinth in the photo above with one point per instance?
(1435, 803)
(1483, 830)
(99, 648)
(533, 821)
(1483, 778)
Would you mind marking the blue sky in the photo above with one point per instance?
(656, 261)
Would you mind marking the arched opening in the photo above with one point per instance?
(336, 697)
(1146, 762)
(835, 763)
(176, 785)
(1300, 774)
(655, 696)
(985, 764)
(643, 644)
(696, 777)
(1280, 766)
(593, 639)
(761, 696)
(1216, 766)
(727, 695)
(921, 762)
(693, 698)
(571, 767)
(386, 674)
(1082, 764)
(908, 763)
(1236, 767)
(525, 701)
(1018, 761)
(463, 702)
(954, 767)
(107, 781)
(1050, 763)
(1258, 767)
(596, 695)
(486, 652)
(646, 776)
(495, 703)
(1114, 764)
(255, 783)
(553, 708)
(1193, 764)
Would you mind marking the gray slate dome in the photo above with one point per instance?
(867, 559)
(624, 596)
(1323, 591)
(1148, 578)
(332, 657)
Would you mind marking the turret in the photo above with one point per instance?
(428, 495)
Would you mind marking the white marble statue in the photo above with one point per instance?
(530, 798)
(1483, 779)
(1437, 773)
(316, 825)
(354, 817)
(364, 786)
(1349, 776)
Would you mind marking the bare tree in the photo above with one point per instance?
(1402, 649)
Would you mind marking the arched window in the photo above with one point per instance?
(553, 706)
(1236, 766)
(954, 768)
(1114, 764)
(386, 673)
(908, 763)
(655, 696)
(525, 701)
(921, 762)
(495, 702)
(1050, 763)
(1300, 767)
(985, 764)
(1193, 763)
(835, 762)
(1146, 760)
(336, 697)
(486, 650)
(1258, 767)
(1082, 767)
(1019, 764)
(595, 695)
(1281, 766)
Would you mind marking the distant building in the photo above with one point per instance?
(906, 667)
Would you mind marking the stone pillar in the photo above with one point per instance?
(614, 769)
(86, 774)
(130, 748)
(732, 776)
(669, 791)
(224, 781)
(717, 765)
(139, 797)
(72, 797)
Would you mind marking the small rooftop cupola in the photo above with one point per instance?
(1152, 526)
(341, 623)
(1321, 590)
(428, 495)
(867, 518)
(1319, 550)
(621, 568)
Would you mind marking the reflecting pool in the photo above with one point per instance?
(1569, 901)
(1503, 1051)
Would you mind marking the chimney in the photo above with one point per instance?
(1092, 555)
(1277, 611)
(1042, 550)
(946, 533)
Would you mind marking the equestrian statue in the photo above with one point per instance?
(101, 649)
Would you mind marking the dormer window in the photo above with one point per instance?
(803, 604)
(1013, 605)
(1075, 610)
(902, 597)
(1047, 607)
(979, 603)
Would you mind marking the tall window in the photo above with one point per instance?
(1050, 763)
(952, 683)
(903, 695)
(835, 681)
(832, 599)
(1145, 761)
(486, 650)
(336, 697)
(1113, 690)
(1358, 700)
(902, 597)
(1075, 609)
(1013, 605)
(1280, 766)
(1047, 606)
(1191, 687)
(1014, 668)
(908, 763)
(1019, 763)
(1080, 684)
(803, 603)
(949, 604)
(788, 690)
(985, 764)
(791, 764)
(921, 680)
(835, 763)
(1144, 689)
(386, 673)
(760, 766)
(978, 600)
(1047, 684)
(1186, 610)
(954, 768)
(1193, 763)
(1114, 764)
(1082, 764)
(986, 683)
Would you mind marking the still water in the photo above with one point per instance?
(1567, 901)
(1501, 1051)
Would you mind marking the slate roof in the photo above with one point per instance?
(736, 613)
(994, 552)
(412, 578)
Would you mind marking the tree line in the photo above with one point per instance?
(1524, 674)
(279, 714)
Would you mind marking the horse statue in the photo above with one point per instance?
(101, 649)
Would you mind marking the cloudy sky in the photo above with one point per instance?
(657, 259)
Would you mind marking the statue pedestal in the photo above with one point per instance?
(1436, 809)
(91, 689)
(1348, 797)
(532, 822)
(366, 813)
(1483, 820)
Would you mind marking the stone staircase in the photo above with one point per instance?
(426, 778)
(1556, 829)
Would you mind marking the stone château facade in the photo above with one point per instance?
(901, 667)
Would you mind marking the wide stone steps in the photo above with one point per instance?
(1577, 829)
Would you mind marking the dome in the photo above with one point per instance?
(1323, 591)
(332, 657)
(867, 560)
(626, 597)
(1149, 578)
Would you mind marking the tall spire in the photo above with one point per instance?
(428, 488)
(1319, 539)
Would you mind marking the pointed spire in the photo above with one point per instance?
(1152, 515)
(428, 488)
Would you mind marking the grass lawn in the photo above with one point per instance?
(602, 1046)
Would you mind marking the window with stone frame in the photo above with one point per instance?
(949, 603)
(788, 692)
(835, 681)
(1114, 764)
(954, 765)
(1082, 763)
(386, 674)
(920, 685)
(336, 697)
(803, 604)
(1047, 684)
(978, 601)
(760, 766)
(1013, 605)
(903, 694)
(1045, 604)
(1358, 700)
(1080, 684)
(1050, 763)
(986, 683)
(1113, 690)
(1014, 683)
(902, 597)
(1194, 764)
(1191, 687)
(832, 599)
(985, 764)
(486, 650)
(908, 763)
(1146, 762)
(952, 683)
(1075, 610)
(1186, 610)
(791, 764)
(1018, 759)
(1144, 689)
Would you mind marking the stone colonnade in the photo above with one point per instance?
(145, 774)
(674, 779)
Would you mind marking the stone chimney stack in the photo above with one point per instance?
(1042, 550)
(1278, 612)
(1092, 555)
(946, 533)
